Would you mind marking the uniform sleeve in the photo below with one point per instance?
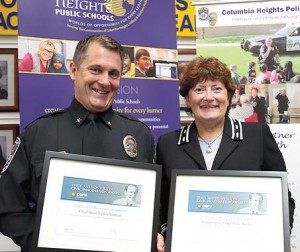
(274, 161)
(16, 207)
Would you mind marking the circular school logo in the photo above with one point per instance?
(203, 13)
(105, 15)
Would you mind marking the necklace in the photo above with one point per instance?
(209, 144)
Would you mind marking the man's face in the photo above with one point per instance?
(253, 92)
(255, 202)
(269, 42)
(144, 62)
(97, 79)
(131, 192)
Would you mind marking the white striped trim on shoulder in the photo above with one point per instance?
(184, 135)
(236, 129)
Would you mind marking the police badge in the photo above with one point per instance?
(130, 146)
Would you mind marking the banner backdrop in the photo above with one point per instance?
(134, 23)
(234, 33)
(288, 139)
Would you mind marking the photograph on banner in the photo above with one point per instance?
(43, 55)
(128, 62)
(155, 62)
(267, 103)
(248, 103)
(283, 103)
(260, 44)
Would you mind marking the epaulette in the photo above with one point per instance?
(47, 115)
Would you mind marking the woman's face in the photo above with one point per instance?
(208, 101)
(47, 53)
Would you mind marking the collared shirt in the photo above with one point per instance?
(62, 131)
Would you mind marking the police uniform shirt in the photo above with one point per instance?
(63, 131)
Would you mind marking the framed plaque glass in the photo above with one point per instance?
(228, 211)
(97, 204)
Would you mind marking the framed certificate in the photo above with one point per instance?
(97, 204)
(228, 211)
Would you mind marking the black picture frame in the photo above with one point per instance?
(57, 226)
(203, 211)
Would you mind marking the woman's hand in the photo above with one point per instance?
(160, 243)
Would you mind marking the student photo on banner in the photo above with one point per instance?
(58, 64)
(41, 55)
(128, 62)
(156, 63)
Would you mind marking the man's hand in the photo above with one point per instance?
(160, 243)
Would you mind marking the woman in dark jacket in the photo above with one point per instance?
(214, 141)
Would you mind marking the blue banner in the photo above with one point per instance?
(136, 24)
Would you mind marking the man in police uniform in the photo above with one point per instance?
(268, 54)
(89, 127)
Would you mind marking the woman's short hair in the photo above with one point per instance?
(201, 69)
(43, 45)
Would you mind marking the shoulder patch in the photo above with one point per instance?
(12, 154)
